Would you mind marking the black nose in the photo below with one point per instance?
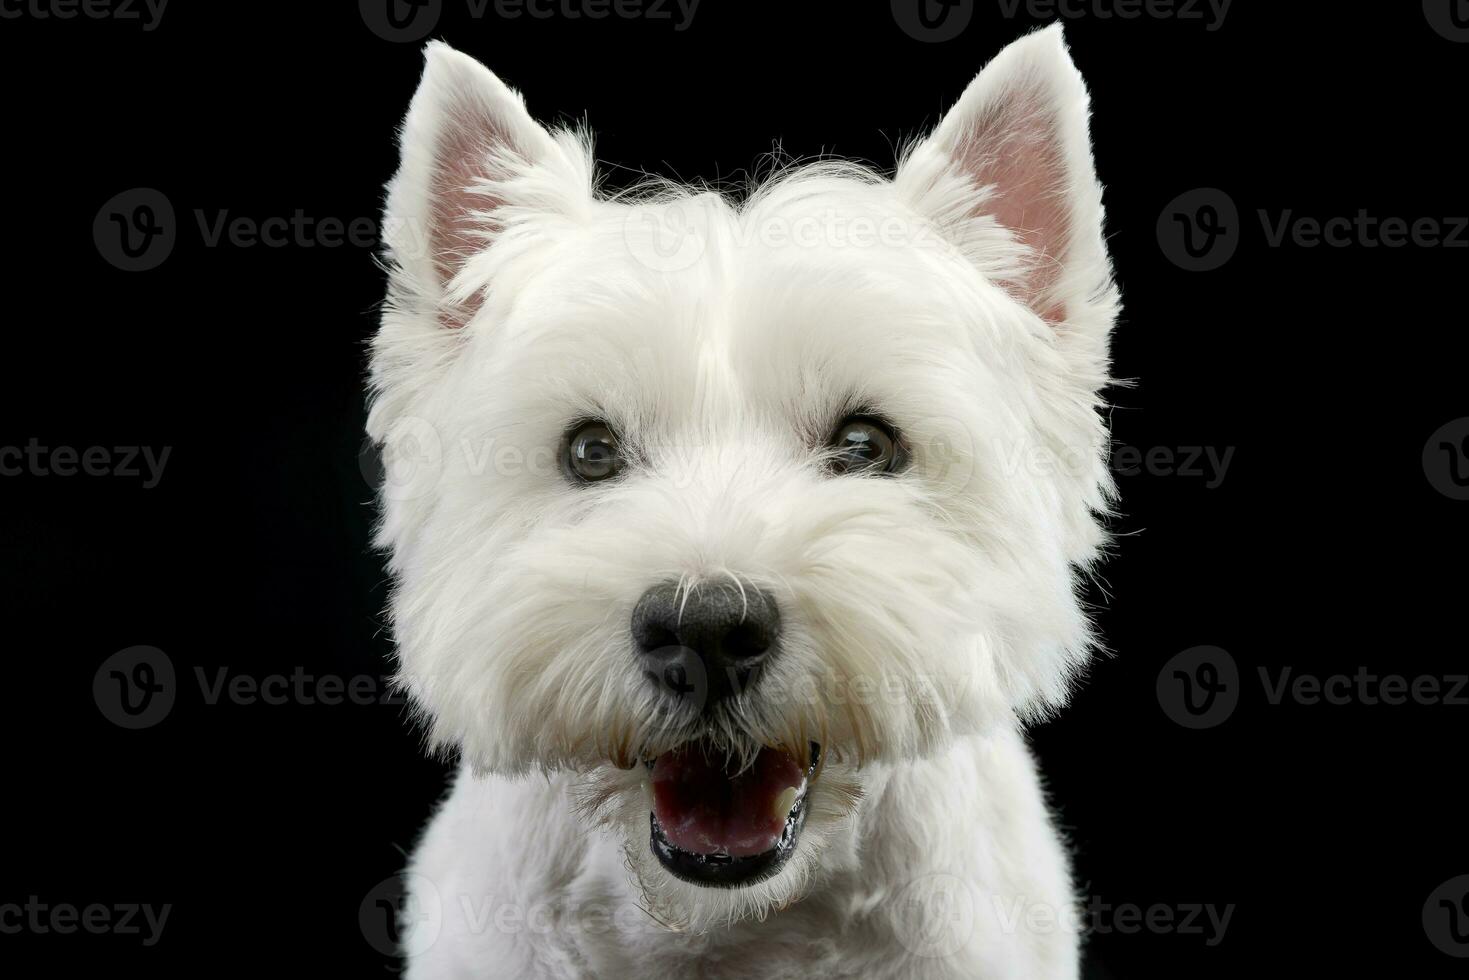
(706, 644)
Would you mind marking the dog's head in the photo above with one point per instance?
(727, 506)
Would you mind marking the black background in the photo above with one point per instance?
(1325, 548)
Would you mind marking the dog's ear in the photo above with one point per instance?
(469, 151)
(1007, 178)
(1017, 139)
(476, 170)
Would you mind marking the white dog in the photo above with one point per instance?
(735, 541)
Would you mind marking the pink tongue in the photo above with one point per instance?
(704, 809)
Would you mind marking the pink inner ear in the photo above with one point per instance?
(1014, 147)
(461, 159)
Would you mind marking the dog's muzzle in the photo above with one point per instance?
(716, 822)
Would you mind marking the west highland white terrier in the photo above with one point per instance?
(735, 540)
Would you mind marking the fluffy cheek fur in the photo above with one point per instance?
(518, 643)
(516, 640)
(904, 601)
(914, 607)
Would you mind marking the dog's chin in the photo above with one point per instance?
(710, 840)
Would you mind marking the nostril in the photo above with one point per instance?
(653, 638)
(746, 641)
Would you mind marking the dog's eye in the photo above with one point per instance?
(864, 444)
(591, 453)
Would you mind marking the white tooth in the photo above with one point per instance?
(785, 801)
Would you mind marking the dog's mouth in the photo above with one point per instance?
(719, 825)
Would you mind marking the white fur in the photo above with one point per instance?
(926, 616)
